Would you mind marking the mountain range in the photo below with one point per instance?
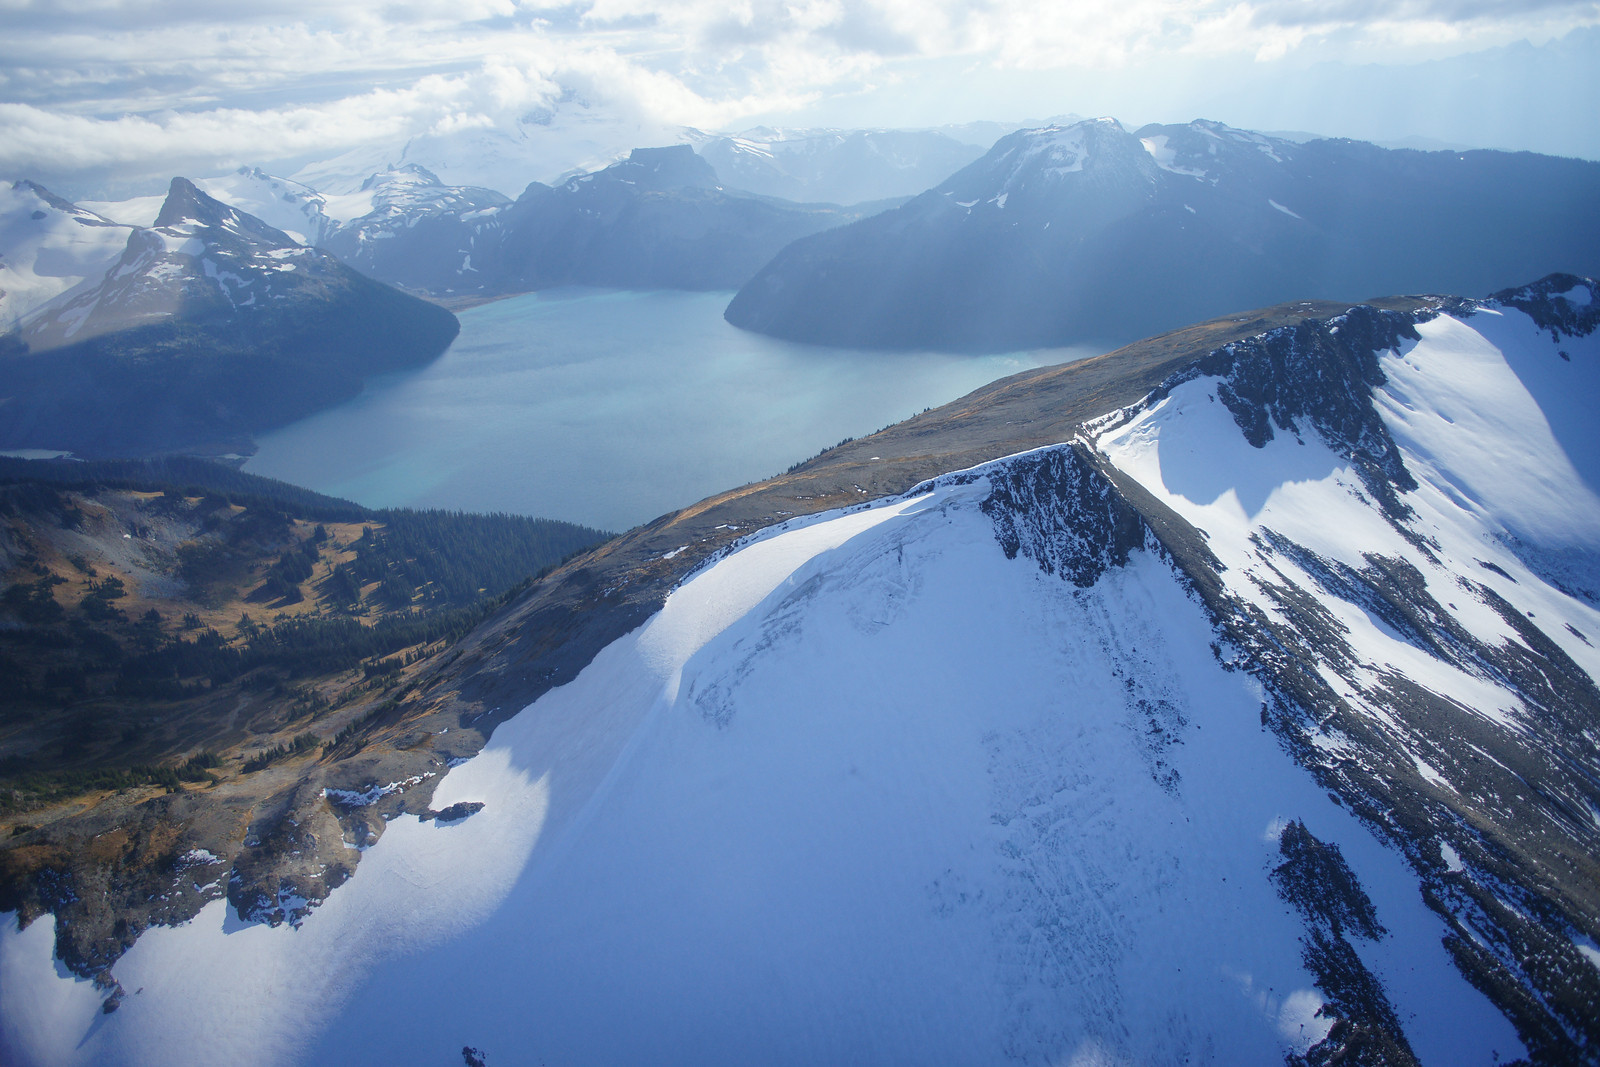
(659, 219)
(1089, 232)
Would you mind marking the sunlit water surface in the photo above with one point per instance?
(609, 408)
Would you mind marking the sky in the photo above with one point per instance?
(103, 94)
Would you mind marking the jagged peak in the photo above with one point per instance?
(191, 210)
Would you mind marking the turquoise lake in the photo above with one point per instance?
(609, 408)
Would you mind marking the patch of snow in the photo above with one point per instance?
(1452, 858)
(197, 857)
(1055, 150)
(1165, 157)
(1429, 775)
(1280, 207)
(1300, 1021)
(361, 798)
(1589, 951)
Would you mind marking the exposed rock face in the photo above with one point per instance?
(1054, 508)
(1090, 232)
(212, 325)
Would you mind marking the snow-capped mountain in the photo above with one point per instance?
(1090, 232)
(296, 209)
(836, 166)
(200, 257)
(284, 204)
(546, 145)
(1229, 698)
(282, 329)
(407, 227)
(48, 246)
(658, 219)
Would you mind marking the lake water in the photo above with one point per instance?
(609, 408)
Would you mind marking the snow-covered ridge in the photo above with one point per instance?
(1203, 150)
(999, 849)
(1234, 728)
(47, 247)
(1404, 557)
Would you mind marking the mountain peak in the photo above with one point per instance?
(1031, 165)
(186, 203)
(48, 197)
(404, 174)
(673, 167)
(194, 213)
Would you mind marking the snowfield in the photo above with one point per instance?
(867, 790)
(47, 247)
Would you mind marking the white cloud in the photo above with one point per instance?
(191, 81)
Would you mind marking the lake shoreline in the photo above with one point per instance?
(608, 408)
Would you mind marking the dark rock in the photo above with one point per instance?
(453, 813)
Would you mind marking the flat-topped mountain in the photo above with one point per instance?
(1090, 232)
(210, 326)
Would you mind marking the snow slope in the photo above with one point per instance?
(864, 790)
(48, 246)
(1012, 768)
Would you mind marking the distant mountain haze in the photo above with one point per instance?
(657, 220)
(1088, 232)
(837, 166)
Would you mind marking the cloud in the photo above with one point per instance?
(108, 83)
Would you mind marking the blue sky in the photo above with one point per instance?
(103, 90)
